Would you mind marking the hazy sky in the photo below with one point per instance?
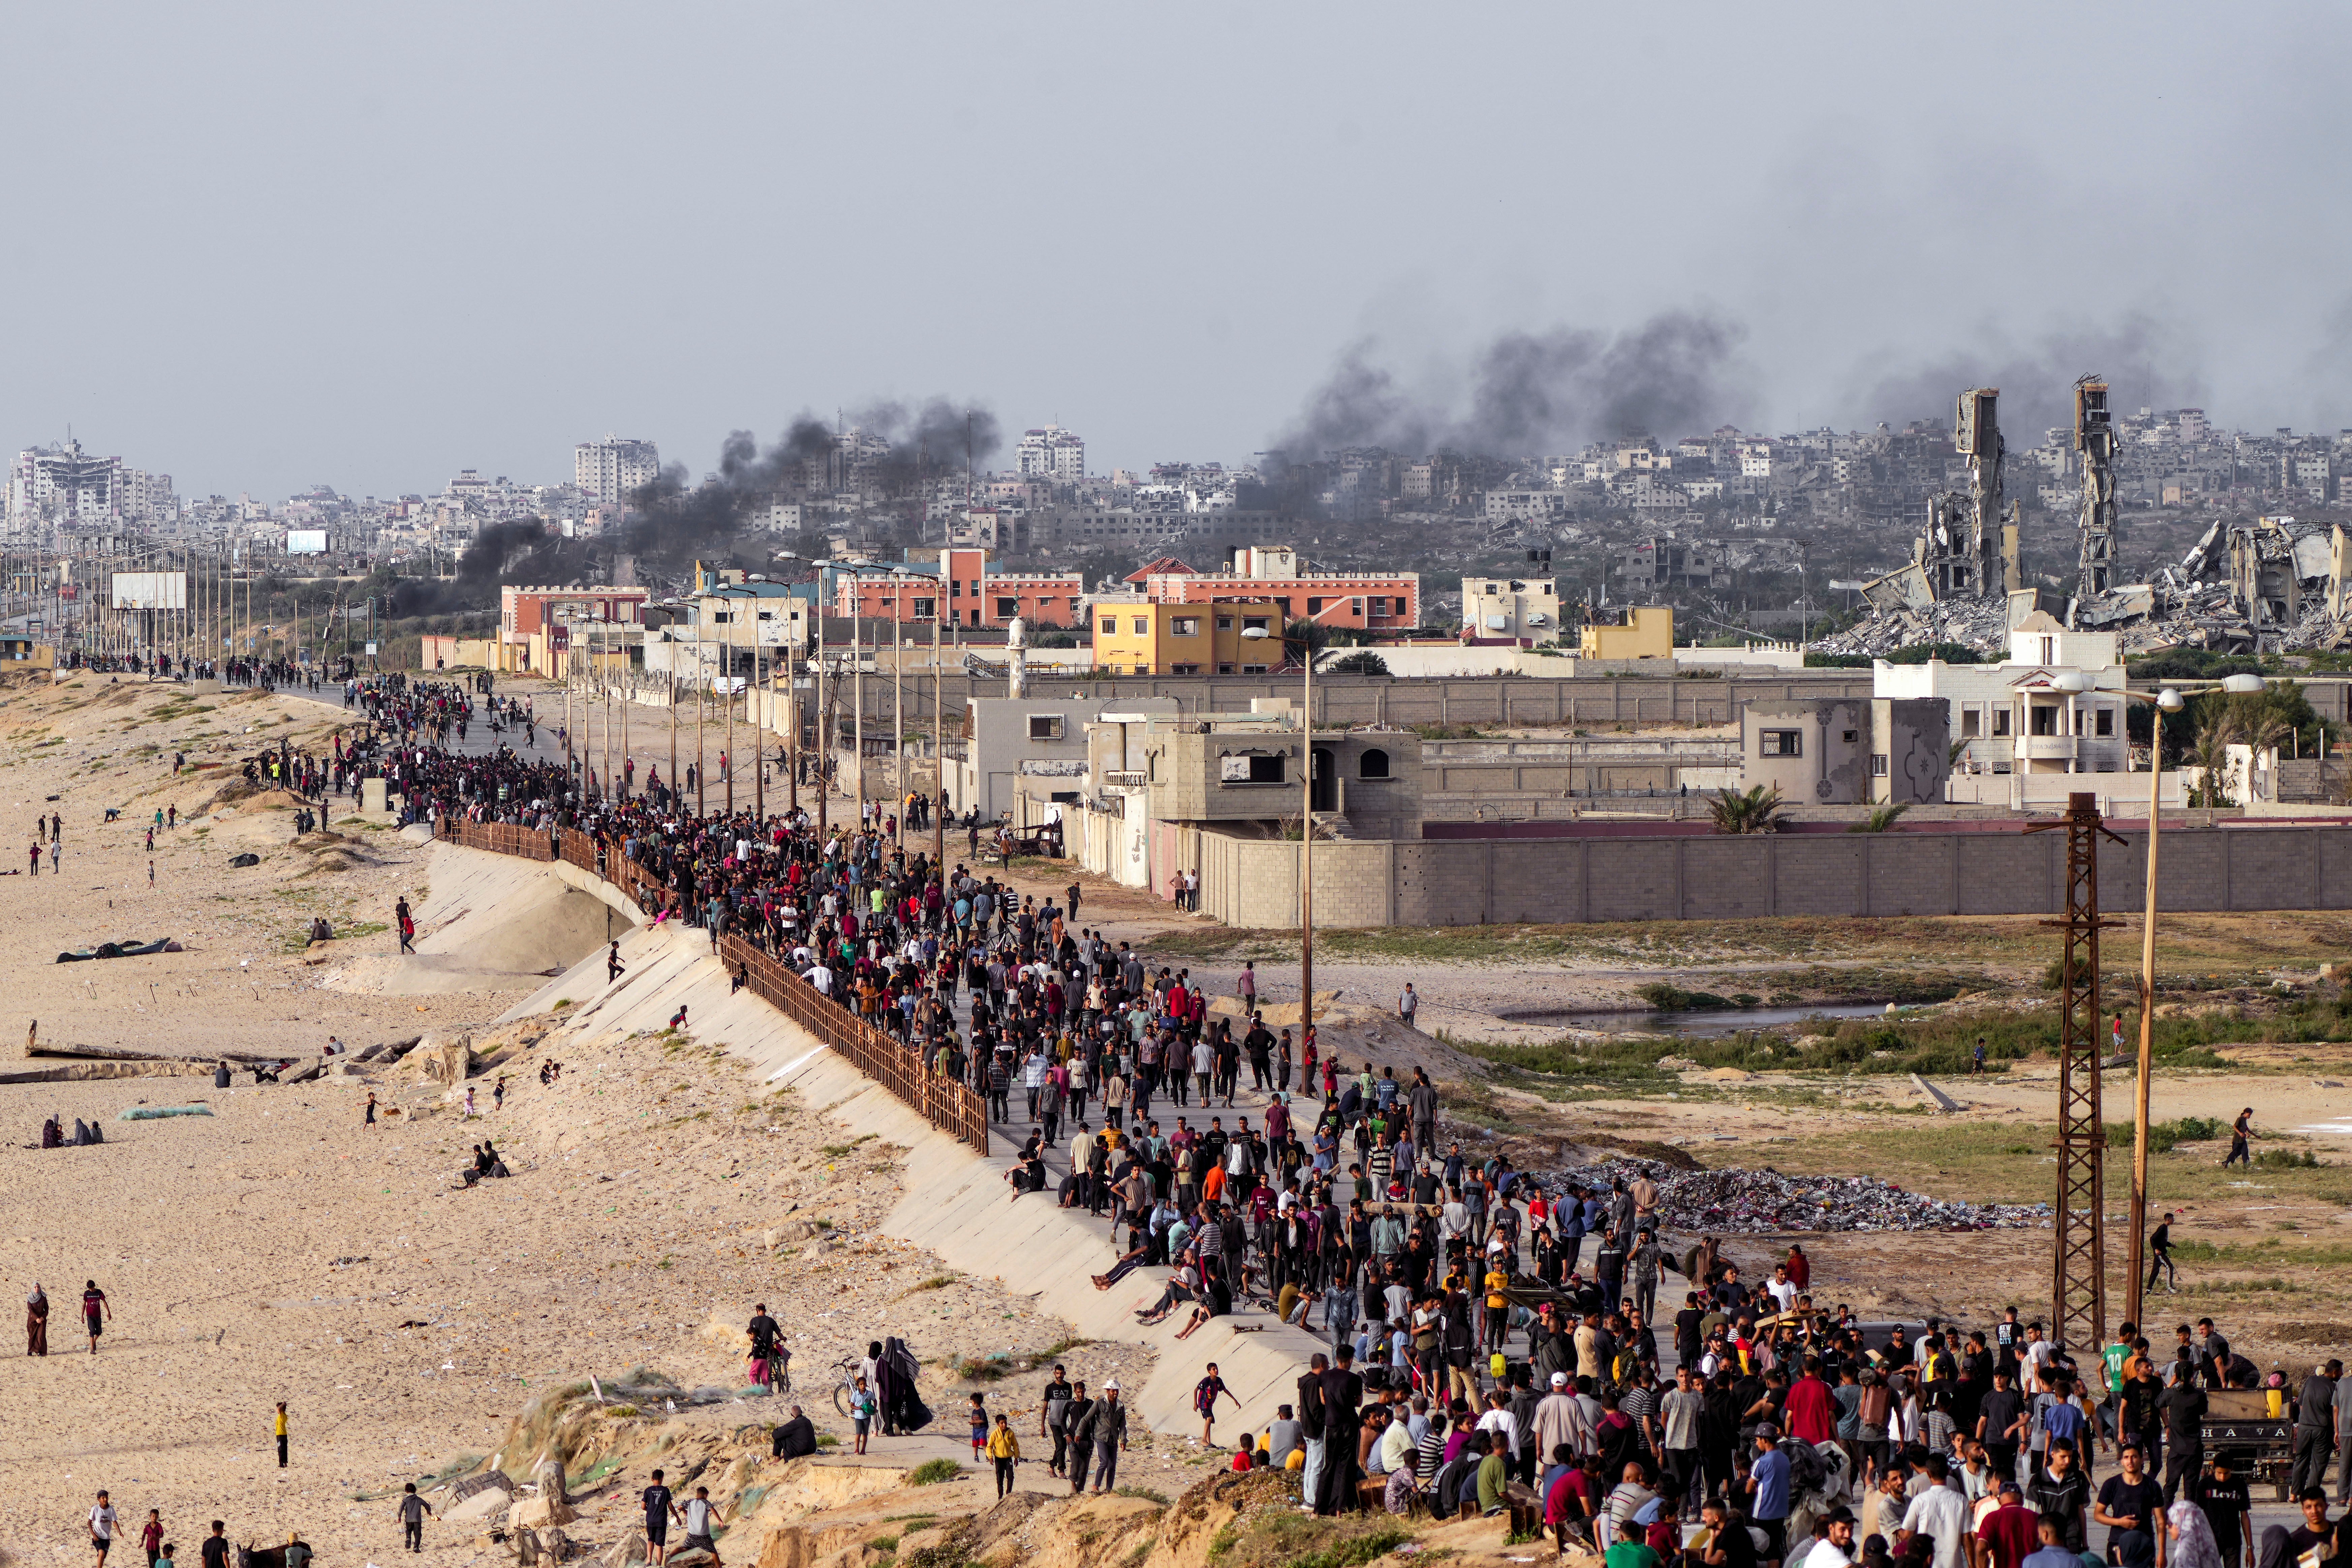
(260, 248)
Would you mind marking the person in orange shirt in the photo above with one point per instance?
(1213, 1185)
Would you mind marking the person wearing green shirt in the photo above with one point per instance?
(1492, 1476)
(1631, 1553)
(2110, 1411)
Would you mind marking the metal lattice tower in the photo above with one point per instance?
(2078, 1298)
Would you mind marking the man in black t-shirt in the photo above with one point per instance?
(2128, 1506)
(2183, 1408)
(2223, 1497)
(1997, 1418)
(2286, 1547)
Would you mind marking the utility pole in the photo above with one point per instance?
(823, 721)
(939, 734)
(2078, 1303)
(734, 614)
(673, 734)
(857, 698)
(898, 705)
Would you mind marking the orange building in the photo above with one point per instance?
(1374, 600)
(976, 597)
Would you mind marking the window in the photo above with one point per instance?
(1253, 669)
(1878, 764)
(955, 590)
(1184, 669)
(1007, 607)
(2106, 721)
(1226, 624)
(1373, 764)
(1110, 626)
(1224, 669)
(1356, 607)
(2049, 650)
(1044, 726)
(2000, 721)
(1851, 736)
(1184, 627)
(1780, 742)
(1314, 606)
(1970, 720)
(2044, 716)
(1252, 622)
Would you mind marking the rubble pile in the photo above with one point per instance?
(1760, 1202)
(2253, 587)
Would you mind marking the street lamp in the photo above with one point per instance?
(2169, 701)
(1306, 835)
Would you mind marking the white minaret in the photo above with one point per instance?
(1017, 645)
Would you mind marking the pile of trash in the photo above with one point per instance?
(1754, 1202)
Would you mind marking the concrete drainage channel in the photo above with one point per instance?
(953, 1201)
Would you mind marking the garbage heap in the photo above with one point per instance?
(1733, 1202)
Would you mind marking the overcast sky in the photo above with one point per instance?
(262, 248)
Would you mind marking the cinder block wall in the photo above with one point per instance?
(1455, 881)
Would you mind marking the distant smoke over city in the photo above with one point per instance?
(2146, 366)
(1675, 374)
(890, 445)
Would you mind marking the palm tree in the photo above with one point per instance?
(2209, 753)
(1882, 818)
(1752, 812)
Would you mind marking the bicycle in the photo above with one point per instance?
(849, 1369)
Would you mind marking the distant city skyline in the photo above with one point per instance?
(374, 249)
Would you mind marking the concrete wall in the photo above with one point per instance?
(1557, 696)
(1433, 882)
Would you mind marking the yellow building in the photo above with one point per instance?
(1144, 637)
(1648, 632)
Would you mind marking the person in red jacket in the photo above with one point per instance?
(1800, 1268)
(1812, 1409)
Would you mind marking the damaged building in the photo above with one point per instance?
(2260, 585)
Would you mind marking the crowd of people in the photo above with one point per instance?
(1478, 1356)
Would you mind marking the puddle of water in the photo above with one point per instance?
(1719, 1022)
(2341, 1127)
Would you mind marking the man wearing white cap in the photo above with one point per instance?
(1559, 1420)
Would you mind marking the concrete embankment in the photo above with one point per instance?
(955, 1201)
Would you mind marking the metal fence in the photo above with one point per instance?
(949, 1105)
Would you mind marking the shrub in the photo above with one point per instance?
(931, 1472)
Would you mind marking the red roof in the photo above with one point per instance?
(1165, 564)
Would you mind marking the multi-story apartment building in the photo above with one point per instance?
(908, 590)
(66, 485)
(606, 471)
(1050, 452)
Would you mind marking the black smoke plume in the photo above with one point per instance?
(2143, 365)
(1538, 391)
(923, 442)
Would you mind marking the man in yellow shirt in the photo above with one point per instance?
(1498, 1306)
(279, 1426)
